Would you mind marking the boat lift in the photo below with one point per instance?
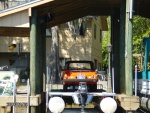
(82, 97)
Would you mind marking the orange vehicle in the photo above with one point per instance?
(79, 71)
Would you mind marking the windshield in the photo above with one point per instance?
(82, 66)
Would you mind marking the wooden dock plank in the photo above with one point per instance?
(34, 100)
(128, 102)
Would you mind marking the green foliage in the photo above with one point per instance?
(105, 42)
(141, 30)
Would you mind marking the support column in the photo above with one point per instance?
(36, 71)
(44, 57)
(115, 40)
(128, 52)
(43, 66)
(39, 57)
(33, 52)
(122, 46)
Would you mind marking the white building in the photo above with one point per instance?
(87, 47)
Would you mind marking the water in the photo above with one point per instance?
(92, 110)
(77, 110)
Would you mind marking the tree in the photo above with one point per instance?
(141, 30)
(105, 42)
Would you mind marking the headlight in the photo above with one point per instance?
(72, 77)
(89, 77)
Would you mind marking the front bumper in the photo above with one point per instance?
(80, 80)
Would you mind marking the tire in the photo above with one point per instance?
(93, 88)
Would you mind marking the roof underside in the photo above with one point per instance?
(67, 10)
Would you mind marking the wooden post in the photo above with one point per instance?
(39, 58)
(33, 52)
(2, 110)
(122, 46)
(115, 40)
(43, 57)
(33, 55)
(128, 52)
